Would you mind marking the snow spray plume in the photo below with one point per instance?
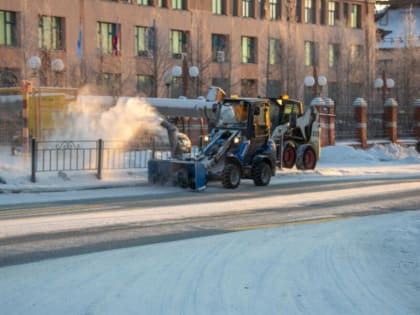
(130, 119)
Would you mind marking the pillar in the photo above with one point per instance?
(417, 116)
(360, 116)
(318, 103)
(390, 119)
(329, 104)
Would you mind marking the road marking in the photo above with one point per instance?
(274, 225)
(56, 210)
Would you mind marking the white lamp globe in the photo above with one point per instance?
(390, 83)
(193, 71)
(177, 71)
(322, 80)
(379, 83)
(34, 63)
(309, 81)
(57, 65)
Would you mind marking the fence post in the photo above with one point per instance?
(329, 104)
(34, 151)
(153, 148)
(391, 118)
(417, 115)
(100, 158)
(360, 116)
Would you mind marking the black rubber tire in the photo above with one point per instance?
(231, 176)
(182, 178)
(306, 157)
(418, 146)
(289, 154)
(261, 174)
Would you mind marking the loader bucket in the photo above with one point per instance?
(187, 174)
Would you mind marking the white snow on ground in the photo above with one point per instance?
(368, 265)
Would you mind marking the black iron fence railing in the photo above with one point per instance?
(72, 155)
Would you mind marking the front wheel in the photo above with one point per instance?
(261, 174)
(289, 154)
(306, 157)
(231, 176)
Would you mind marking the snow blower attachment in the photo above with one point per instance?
(180, 169)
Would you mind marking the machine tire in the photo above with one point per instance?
(289, 154)
(231, 176)
(182, 178)
(418, 146)
(306, 157)
(261, 174)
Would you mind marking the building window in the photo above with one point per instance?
(8, 28)
(222, 83)
(110, 83)
(248, 8)
(248, 48)
(144, 2)
(356, 52)
(179, 4)
(163, 3)
(332, 13)
(145, 41)
(355, 19)
(309, 11)
(145, 85)
(309, 53)
(249, 88)
(50, 32)
(299, 11)
(333, 55)
(274, 51)
(346, 13)
(274, 8)
(9, 77)
(218, 7)
(323, 12)
(179, 40)
(108, 38)
(219, 47)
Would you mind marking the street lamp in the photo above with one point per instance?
(318, 84)
(57, 66)
(384, 84)
(34, 63)
(167, 78)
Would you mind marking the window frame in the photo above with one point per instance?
(51, 32)
(274, 10)
(219, 42)
(112, 30)
(182, 43)
(8, 28)
(248, 9)
(248, 50)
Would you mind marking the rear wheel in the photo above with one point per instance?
(306, 157)
(231, 176)
(289, 154)
(261, 174)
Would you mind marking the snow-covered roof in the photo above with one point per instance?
(400, 28)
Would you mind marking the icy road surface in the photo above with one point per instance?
(367, 265)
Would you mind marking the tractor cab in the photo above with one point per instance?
(284, 110)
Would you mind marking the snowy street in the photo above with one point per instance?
(368, 265)
(332, 264)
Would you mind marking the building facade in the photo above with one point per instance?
(181, 47)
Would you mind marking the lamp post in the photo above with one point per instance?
(384, 84)
(318, 84)
(34, 63)
(182, 72)
(167, 78)
(57, 66)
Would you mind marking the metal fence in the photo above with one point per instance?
(73, 155)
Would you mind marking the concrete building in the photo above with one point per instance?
(248, 47)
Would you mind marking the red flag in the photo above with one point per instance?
(116, 38)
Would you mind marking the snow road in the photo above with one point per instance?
(366, 265)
